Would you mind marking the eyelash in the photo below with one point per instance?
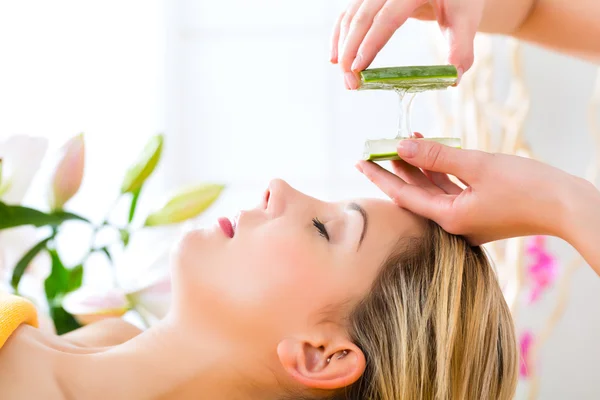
(321, 228)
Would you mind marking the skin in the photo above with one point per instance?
(503, 195)
(363, 29)
(250, 314)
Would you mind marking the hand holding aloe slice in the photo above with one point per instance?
(405, 80)
(386, 149)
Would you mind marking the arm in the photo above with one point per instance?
(567, 26)
(582, 222)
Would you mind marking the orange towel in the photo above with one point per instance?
(14, 311)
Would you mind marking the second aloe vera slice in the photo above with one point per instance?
(409, 79)
(386, 149)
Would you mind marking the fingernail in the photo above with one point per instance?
(351, 80)
(356, 63)
(333, 55)
(459, 74)
(407, 148)
(358, 166)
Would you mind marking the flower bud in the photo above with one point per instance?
(88, 305)
(145, 165)
(187, 204)
(68, 173)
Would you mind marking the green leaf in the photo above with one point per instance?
(57, 282)
(107, 253)
(60, 282)
(63, 321)
(12, 216)
(144, 166)
(134, 201)
(75, 278)
(188, 203)
(24, 262)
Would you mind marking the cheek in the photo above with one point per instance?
(272, 270)
(264, 282)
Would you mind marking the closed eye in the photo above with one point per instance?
(321, 228)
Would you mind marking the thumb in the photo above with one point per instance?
(432, 156)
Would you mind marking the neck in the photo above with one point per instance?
(158, 364)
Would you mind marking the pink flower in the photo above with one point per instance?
(89, 305)
(526, 341)
(68, 173)
(151, 300)
(543, 269)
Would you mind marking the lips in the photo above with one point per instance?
(266, 198)
(226, 227)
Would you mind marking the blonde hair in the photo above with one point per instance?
(434, 326)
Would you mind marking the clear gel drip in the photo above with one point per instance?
(406, 100)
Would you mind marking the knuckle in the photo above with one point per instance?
(387, 19)
(433, 156)
(346, 20)
(395, 196)
(395, 199)
(361, 19)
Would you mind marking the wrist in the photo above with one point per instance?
(579, 217)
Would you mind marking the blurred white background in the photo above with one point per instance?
(244, 92)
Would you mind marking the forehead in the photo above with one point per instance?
(387, 224)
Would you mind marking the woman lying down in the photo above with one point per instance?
(297, 299)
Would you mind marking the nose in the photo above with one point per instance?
(279, 186)
(281, 195)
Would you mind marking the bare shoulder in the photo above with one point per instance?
(107, 332)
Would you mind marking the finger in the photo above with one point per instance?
(460, 22)
(413, 198)
(439, 179)
(362, 21)
(425, 12)
(414, 176)
(461, 49)
(335, 36)
(443, 182)
(345, 23)
(433, 156)
(392, 15)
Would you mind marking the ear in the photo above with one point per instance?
(326, 366)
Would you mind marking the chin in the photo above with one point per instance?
(193, 246)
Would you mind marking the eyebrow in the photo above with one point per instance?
(357, 207)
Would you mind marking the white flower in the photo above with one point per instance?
(21, 158)
(144, 282)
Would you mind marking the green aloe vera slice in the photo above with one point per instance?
(409, 79)
(386, 149)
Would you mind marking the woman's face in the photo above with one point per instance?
(292, 263)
